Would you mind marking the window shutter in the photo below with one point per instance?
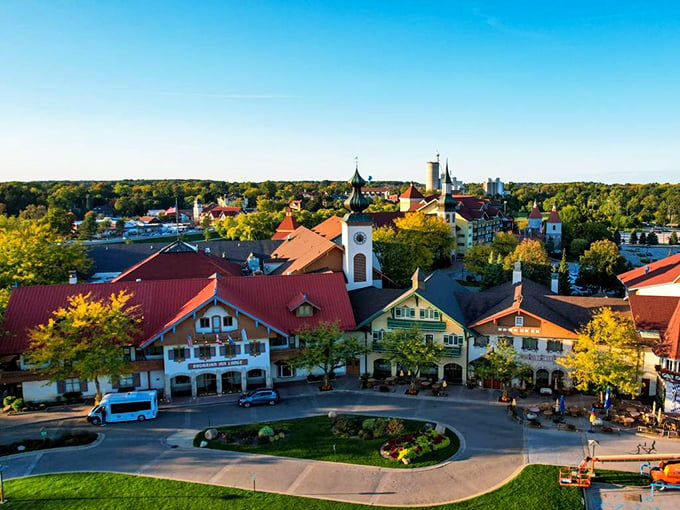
(237, 349)
(136, 379)
(171, 354)
(246, 348)
(187, 353)
(212, 352)
(223, 350)
(197, 352)
(115, 383)
(61, 387)
(260, 347)
(83, 385)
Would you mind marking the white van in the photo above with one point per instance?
(130, 406)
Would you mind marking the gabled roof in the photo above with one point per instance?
(412, 193)
(149, 219)
(472, 208)
(568, 312)
(173, 265)
(652, 313)
(330, 228)
(554, 216)
(661, 272)
(300, 299)
(301, 249)
(165, 303)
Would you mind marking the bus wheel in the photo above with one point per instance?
(141, 417)
(96, 421)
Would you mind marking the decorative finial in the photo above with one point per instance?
(356, 163)
(357, 202)
(437, 156)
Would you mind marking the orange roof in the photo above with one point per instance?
(303, 248)
(330, 228)
(287, 226)
(412, 193)
(670, 345)
(661, 272)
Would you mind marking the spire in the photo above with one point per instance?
(447, 177)
(357, 202)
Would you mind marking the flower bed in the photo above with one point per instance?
(405, 448)
(66, 439)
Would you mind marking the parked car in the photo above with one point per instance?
(259, 397)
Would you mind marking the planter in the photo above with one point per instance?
(411, 392)
(325, 388)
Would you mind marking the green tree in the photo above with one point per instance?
(59, 220)
(577, 247)
(34, 254)
(563, 283)
(673, 239)
(494, 273)
(206, 223)
(652, 239)
(86, 339)
(642, 239)
(119, 228)
(477, 258)
(534, 259)
(633, 237)
(408, 349)
(426, 233)
(500, 363)
(325, 347)
(617, 237)
(600, 264)
(88, 227)
(606, 354)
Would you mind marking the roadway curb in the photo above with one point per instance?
(93, 444)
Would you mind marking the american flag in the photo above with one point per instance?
(231, 340)
(244, 337)
(190, 341)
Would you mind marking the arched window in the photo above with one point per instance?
(359, 267)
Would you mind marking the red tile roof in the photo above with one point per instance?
(165, 303)
(652, 313)
(535, 212)
(554, 216)
(473, 208)
(412, 193)
(661, 272)
(174, 266)
(669, 347)
(287, 226)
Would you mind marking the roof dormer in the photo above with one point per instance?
(302, 306)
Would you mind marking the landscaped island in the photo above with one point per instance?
(347, 438)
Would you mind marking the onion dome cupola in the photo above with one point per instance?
(357, 202)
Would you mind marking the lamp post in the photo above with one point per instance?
(2, 486)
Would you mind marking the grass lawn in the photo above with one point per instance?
(311, 438)
(535, 488)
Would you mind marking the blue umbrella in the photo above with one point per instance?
(562, 404)
(607, 400)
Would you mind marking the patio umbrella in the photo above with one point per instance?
(563, 405)
(607, 400)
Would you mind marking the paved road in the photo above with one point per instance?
(494, 449)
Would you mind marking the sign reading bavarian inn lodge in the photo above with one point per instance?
(218, 364)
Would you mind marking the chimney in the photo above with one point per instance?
(554, 283)
(72, 277)
(517, 273)
(417, 280)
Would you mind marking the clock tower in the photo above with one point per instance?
(357, 238)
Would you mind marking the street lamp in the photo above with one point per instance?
(2, 487)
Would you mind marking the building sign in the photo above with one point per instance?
(218, 364)
(540, 357)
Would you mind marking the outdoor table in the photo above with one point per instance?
(628, 421)
(436, 386)
(425, 384)
(390, 380)
(531, 416)
(534, 410)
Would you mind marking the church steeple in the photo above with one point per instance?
(357, 202)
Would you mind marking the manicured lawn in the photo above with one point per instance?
(536, 488)
(311, 438)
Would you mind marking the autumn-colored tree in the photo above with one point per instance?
(34, 254)
(504, 243)
(477, 258)
(324, 346)
(534, 259)
(606, 354)
(86, 339)
(420, 230)
(408, 349)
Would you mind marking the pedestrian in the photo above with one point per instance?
(103, 413)
(592, 419)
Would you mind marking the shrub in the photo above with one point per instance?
(379, 427)
(368, 424)
(346, 426)
(394, 427)
(18, 404)
(7, 401)
(366, 434)
(265, 431)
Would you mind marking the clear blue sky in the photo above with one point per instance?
(253, 90)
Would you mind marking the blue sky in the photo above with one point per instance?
(288, 90)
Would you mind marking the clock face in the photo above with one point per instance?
(360, 238)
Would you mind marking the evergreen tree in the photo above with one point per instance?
(652, 239)
(564, 285)
(88, 227)
(633, 237)
(617, 237)
(642, 239)
(673, 239)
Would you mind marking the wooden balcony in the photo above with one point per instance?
(422, 325)
(282, 354)
(667, 375)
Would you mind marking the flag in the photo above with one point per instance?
(217, 337)
(244, 337)
(190, 341)
(231, 340)
(607, 400)
(562, 405)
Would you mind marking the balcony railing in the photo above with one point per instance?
(379, 347)
(667, 375)
(453, 351)
(422, 325)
